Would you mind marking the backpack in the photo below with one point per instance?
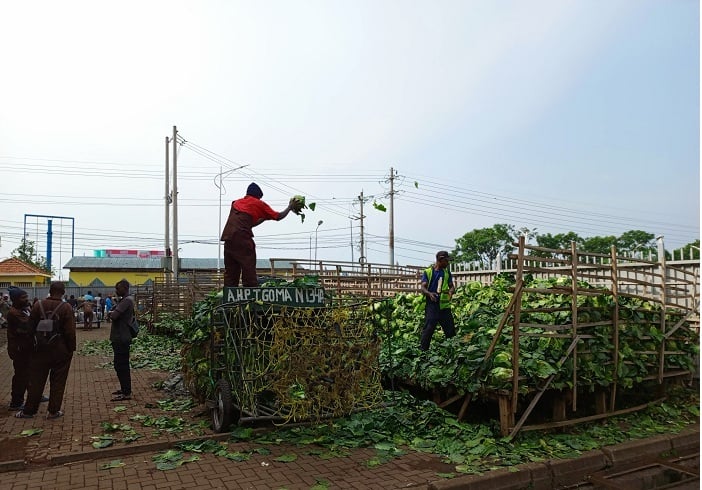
(47, 330)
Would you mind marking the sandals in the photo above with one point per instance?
(22, 415)
(56, 415)
(121, 397)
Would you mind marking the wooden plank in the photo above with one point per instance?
(515, 327)
(506, 414)
(547, 328)
(599, 277)
(558, 409)
(544, 310)
(536, 258)
(638, 296)
(542, 389)
(628, 281)
(591, 418)
(543, 270)
(600, 402)
(574, 320)
(451, 400)
(491, 348)
(560, 251)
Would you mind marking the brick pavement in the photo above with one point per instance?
(62, 456)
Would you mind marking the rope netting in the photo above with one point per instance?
(302, 363)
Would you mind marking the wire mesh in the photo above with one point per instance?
(300, 363)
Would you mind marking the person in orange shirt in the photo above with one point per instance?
(239, 247)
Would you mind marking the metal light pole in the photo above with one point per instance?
(218, 185)
(315, 239)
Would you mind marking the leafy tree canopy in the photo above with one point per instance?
(485, 245)
(691, 251)
(27, 253)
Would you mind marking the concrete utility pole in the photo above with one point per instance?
(167, 206)
(391, 233)
(362, 258)
(176, 265)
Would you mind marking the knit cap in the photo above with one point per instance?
(254, 190)
(16, 294)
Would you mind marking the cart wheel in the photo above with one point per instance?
(222, 413)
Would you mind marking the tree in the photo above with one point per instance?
(485, 244)
(559, 241)
(691, 251)
(599, 244)
(636, 241)
(27, 253)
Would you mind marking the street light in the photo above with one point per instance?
(218, 185)
(315, 239)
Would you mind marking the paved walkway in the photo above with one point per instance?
(62, 456)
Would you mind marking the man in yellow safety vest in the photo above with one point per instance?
(438, 287)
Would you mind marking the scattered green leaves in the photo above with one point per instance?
(103, 441)
(31, 432)
(286, 458)
(172, 459)
(117, 463)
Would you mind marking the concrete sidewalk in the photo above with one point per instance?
(63, 456)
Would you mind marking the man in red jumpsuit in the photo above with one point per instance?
(239, 247)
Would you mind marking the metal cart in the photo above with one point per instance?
(282, 354)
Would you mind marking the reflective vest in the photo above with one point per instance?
(442, 288)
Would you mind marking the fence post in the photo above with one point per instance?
(661, 262)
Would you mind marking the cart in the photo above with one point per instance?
(282, 354)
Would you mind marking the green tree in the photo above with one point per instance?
(599, 244)
(559, 241)
(691, 250)
(485, 244)
(636, 241)
(27, 253)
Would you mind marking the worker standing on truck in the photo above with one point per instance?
(239, 247)
(438, 287)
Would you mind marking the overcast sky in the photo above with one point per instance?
(561, 116)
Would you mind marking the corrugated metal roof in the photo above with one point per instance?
(112, 263)
(121, 263)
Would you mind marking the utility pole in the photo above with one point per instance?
(176, 265)
(167, 207)
(391, 233)
(362, 258)
(351, 242)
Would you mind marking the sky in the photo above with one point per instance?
(555, 116)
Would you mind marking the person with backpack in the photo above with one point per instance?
(121, 338)
(437, 286)
(53, 326)
(20, 346)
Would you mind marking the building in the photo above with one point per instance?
(16, 272)
(98, 272)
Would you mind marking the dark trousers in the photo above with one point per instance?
(20, 379)
(434, 316)
(240, 261)
(121, 363)
(53, 365)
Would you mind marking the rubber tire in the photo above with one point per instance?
(223, 412)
